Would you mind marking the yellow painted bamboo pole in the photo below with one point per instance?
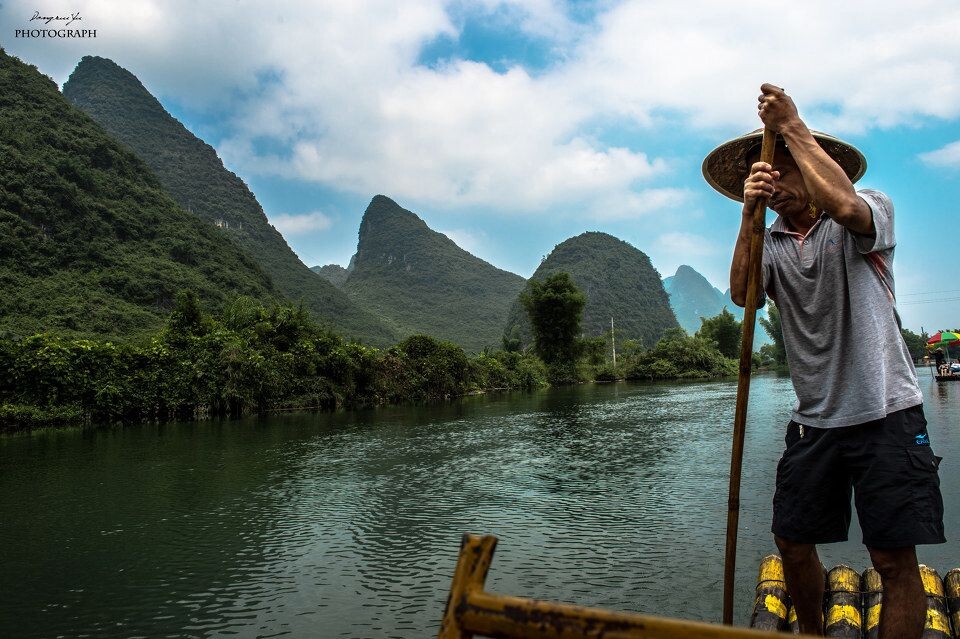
(771, 604)
(844, 616)
(937, 625)
(872, 603)
(951, 585)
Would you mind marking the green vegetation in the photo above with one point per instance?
(723, 330)
(252, 358)
(679, 356)
(422, 282)
(916, 344)
(617, 280)
(771, 324)
(195, 177)
(90, 245)
(249, 359)
(555, 307)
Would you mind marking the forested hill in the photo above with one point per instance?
(693, 297)
(90, 244)
(424, 283)
(190, 170)
(619, 282)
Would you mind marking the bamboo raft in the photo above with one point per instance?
(853, 601)
(471, 610)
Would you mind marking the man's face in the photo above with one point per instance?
(790, 198)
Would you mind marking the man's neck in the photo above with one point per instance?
(802, 225)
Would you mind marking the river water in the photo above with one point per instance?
(348, 524)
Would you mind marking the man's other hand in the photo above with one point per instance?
(760, 185)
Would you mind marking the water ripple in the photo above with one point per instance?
(347, 525)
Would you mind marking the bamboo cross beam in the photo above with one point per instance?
(743, 383)
(472, 611)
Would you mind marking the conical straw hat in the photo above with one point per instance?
(725, 168)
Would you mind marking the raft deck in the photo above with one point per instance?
(853, 602)
(852, 607)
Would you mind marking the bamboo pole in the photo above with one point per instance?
(743, 385)
(471, 610)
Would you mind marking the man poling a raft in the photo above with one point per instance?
(857, 426)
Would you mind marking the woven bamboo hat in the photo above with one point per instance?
(725, 168)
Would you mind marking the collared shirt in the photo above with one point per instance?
(835, 292)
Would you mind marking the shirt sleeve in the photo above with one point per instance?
(881, 208)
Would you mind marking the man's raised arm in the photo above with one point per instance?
(829, 187)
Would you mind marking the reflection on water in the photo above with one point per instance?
(348, 525)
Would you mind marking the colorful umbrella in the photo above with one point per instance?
(943, 338)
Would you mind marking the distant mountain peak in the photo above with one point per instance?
(423, 282)
(687, 271)
(383, 210)
(107, 74)
(333, 273)
(194, 175)
(93, 245)
(692, 296)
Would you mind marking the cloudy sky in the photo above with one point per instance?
(513, 125)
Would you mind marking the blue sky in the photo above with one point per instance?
(511, 126)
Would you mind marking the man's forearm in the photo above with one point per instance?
(829, 187)
(740, 265)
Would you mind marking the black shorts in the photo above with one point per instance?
(887, 464)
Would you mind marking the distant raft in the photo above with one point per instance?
(853, 602)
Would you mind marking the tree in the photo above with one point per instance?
(555, 307)
(916, 344)
(724, 330)
(511, 341)
(187, 317)
(771, 324)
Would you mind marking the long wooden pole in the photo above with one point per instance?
(743, 385)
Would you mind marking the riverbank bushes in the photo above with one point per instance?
(680, 356)
(250, 359)
(254, 359)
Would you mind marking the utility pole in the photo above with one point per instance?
(613, 342)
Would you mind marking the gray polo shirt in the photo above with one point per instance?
(834, 290)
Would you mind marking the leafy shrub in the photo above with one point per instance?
(679, 356)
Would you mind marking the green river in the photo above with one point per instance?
(348, 524)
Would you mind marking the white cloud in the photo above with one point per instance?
(338, 86)
(708, 256)
(849, 66)
(469, 240)
(686, 244)
(948, 155)
(300, 223)
(543, 18)
(637, 204)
